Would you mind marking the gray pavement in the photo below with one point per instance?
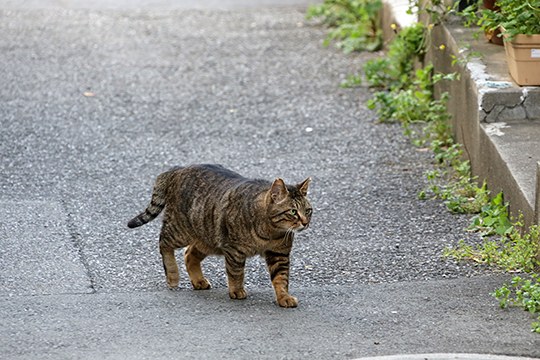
(96, 101)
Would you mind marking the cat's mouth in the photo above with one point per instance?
(297, 228)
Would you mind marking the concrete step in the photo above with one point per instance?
(497, 121)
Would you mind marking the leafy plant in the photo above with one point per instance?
(411, 100)
(461, 194)
(513, 16)
(354, 37)
(513, 251)
(351, 81)
(354, 23)
(493, 219)
(470, 14)
(437, 10)
(394, 71)
(524, 293)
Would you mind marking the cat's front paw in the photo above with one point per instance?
(238, 294)
(287, 301)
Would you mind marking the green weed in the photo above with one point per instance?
(493, 218)
(394, 71)
(351, 81)
(515, 253)
(515, 250)
(354, 24)
(524, 293)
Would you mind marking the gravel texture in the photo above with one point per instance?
(254, 91)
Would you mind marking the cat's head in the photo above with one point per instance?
(288, 206)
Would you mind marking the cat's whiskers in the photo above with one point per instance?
(288, 235)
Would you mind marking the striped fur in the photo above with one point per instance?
(210, 210)
(157, 203)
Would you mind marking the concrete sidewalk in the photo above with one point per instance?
(332, 322)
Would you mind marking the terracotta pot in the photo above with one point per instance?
(490, 5)
(523, 58)
(493, 37)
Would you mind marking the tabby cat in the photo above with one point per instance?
(214, 211)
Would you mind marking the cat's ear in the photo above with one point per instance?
(278, 191)
(303, 186)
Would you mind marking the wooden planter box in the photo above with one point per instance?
(523, 57)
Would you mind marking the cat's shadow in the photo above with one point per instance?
(217, 299)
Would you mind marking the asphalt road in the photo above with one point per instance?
(97, 99)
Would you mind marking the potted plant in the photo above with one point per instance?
(519, 22)
(474, 14)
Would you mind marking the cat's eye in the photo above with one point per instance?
(293, 212)
(308, 211)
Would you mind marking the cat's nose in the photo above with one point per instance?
(304, 222)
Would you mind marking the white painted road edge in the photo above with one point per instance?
(447, 357)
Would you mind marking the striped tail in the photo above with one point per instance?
(157, 204)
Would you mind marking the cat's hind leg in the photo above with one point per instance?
(169, 265)
(193, 258)
(167, 246)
